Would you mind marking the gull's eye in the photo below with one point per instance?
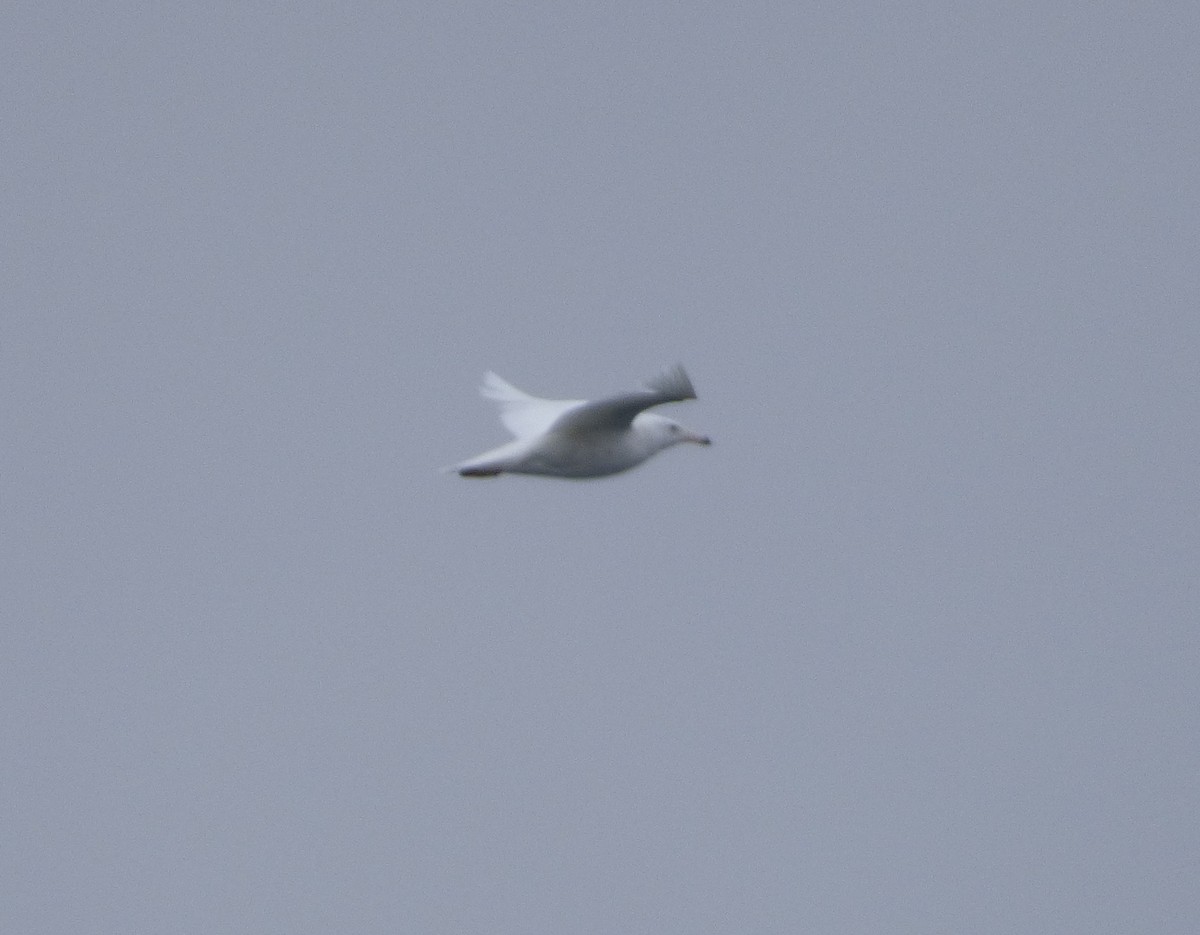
(675, 429)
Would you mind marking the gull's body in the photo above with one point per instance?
(576, 438)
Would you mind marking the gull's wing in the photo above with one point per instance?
(524, 415)
(615, 413)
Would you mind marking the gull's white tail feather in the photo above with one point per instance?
(491, 463)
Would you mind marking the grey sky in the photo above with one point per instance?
(912, 648)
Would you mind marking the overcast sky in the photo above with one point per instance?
(912, 648)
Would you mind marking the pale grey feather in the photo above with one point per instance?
(615, 413)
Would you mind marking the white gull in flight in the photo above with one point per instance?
(576, 438)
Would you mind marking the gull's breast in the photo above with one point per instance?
(594, 454)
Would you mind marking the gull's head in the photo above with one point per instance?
(661, 432)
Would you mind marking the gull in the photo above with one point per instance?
(577, 438)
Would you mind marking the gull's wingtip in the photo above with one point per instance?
(496, 387)
(490, 383)
(673, 382)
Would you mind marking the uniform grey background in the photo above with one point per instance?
(912, 648)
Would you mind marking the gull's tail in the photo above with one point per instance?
(490, 463)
